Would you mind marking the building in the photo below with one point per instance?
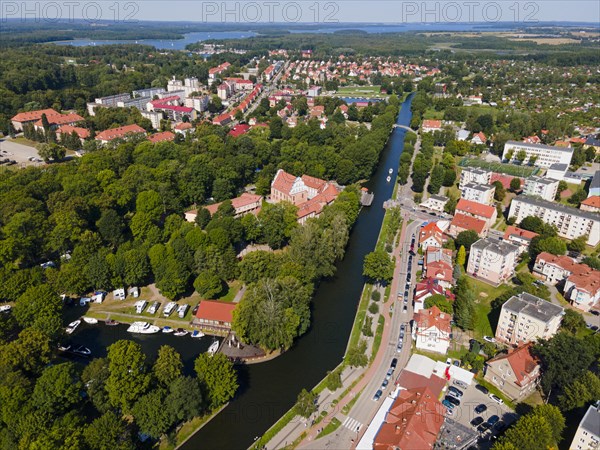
(479, 193)
(314, 91)
(474, 175)
(154, 117)
(435, 203)
(425, 289)
(526, 318)
(437, 265)
(591, 204)
(413, 421)
(214, 72)
(570, 222)
(136, 102)
(519, 237)
(431, 330)
(492, 261)
(479, 139)
(595, 185)
(461, 222)
(429, 126)
(431, 235)
(57, 120)
(82, 133)
(199, 103)
(487, 213)
(148, 92)
(555, 269)
(164, 136)
(106, 102)
(544, 155)
(176, 113)
(30, 117)
(214, 316)
(244, 204)
(119, 133)
(557, 171)
(184, 128)
(545, 188)
(296, 190)
(587, 436)
(314, 206)
(583, 290)
(515, 373)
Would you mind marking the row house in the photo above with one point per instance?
(106, 136)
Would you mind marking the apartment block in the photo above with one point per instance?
(587, 436)
(480, 193)
(544, 188)
(570, 222)
(544, 155)
(526, 318)
(474, 175)
(492, 261)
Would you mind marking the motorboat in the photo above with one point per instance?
(90, 320)
(169, 308)
(73, 326)
(391, 171)
(110, 322)
(181, 332)
(143, 328)
(167, 330)
(5, 308)
(213, 348)
(197, 334)
(80, 350)
(64, 347)
(388, 179)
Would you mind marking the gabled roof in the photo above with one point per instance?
(518, 232)
(588, 282)
(593, 201)
(34, 115)
(564, 262)
(433, 317)
(521, 360)
(238, 202)
(119, 132)
(238, 130)
(183, 126)
(468, 223)
(61, 119)
(83, 133)
(477, 209)
(218, 311)
(161, 137)
(432, 124)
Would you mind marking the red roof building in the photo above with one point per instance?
(431, 125)
(162, 137)
(239, 130)
(462, 222)
(30, 117)
(413, 421)
(56, 120)
(119, 133)
(515, 373)
(431, 236)
(555, 268)
(487, 213)
(214, 316)
(519, 237)
(591, 204)
(83, 133)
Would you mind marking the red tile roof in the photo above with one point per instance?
(413, 421)
(161, 137)
(439, 270)
(61, 119)
(429, 230)
(183, 126)
(218, 311)
(316, 204)
(565, 263)
(476, 209)
(313, 182)
(433, 317)
(588, 282)
(432, 124)
(30, 116)
(238, 202)
(119, 132)
(593, 201)
(468, 223)
(411, 380)
(220, 68)
(519, 232)
(238, 130)
(521, 360)
(83, 133)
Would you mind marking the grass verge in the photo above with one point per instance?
(329, 428)
(378, 336)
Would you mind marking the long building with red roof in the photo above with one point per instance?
(486, 213)
(119, 133)
(24, 118)
(214, 316)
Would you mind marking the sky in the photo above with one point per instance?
(301, 11)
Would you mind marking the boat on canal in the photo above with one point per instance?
(111, 323)
(213, 348)
(181, 332)
(143, 328)
(197, 334)
(90, 320)
(72, 326)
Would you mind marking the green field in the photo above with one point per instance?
(508, 169)
(361, 91)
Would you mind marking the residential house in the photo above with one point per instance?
(214, 316)
(429, 126)
(516, 373)
(431, 235)
(570, 222)
(545, 188)
(435, 203)
(413, 421)
(479, 138)
(557, 171)
(431, 330)
(519, 237)
(595, 185)
(30, 117)
(82, 133)
(474, 175)
(587, 436)
(244, 204)
(492, 261)
(124, 132)
(583, 290)
(165, 136)
(184, 128)
(487, 213)
(526, 318)
(425, 289)
(479, 193)
(555, 269)
(462, 222)
(591, 204)
(544, 155)
(314, 91)
(437, 265)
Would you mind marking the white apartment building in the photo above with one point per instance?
(480, 193)
(106, 102)
(570, 222)
(148, 92)
(200, 103)
(492, 261)
(546, 154)
(526, 318)
(587, 436)
(154, 116)
(435, 203)
(557, 171)
(545, 188)
(474, 175)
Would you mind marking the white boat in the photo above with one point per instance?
(143, 328)
(73, 326)
(90, 320)
(169, 308)
(5, 308)
(391, 171)
(213, 348)
(197, 334)
(181, 332)
(80, 350)
(167, 330)
(388, 179)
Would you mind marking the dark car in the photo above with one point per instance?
(402, 327)
(484, 427)
(500, 426)
(394, 363)
(456, 391)
(377, 395)
(477, 421)
(493, 420)
(483, 389)
(480, 408)
(452, 400)
(195, 310)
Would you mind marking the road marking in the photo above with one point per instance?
(352, 424)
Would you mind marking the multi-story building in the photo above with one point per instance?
(106, 102)
(487, 213)
(30, 117)
(435, 203)
(199, 103)
(595, 185)
(461, 222)
(555, 269)
(544, 155)
(515, 373)
(557, 171)
(431, 235)
(474, 175)
(136, 102)
(480, 193)
(492, 261)
(587, 436)
(545, 188)
(154, 117)
(526, 318)
(583, 290)
(591, 204)
(431, 330)
(148, 92)
(519, 237)
(429, 126)
(570, 222)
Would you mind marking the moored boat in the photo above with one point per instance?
(80, 350)
(167, 330)
(391, 171)
(388, 179)
(143, 328)
(213, 348)
(90, 320)
(111, 323)
(181, 332)
(197, 334)
(73, 326)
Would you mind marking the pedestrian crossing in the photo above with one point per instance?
(352, 424)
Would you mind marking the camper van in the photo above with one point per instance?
(140, 305)
(182, 310)
(169, 308)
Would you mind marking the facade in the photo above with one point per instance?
(515, 373)
(545, 155)
(106, 102)
(214, 316)
(591, 204)
(587, 436)
(199, 103)
(431, 235)
(480, 193)
(519, 237)
(492, 261)
(557, 171)
(431, 330)
(570, 222)
(435, 203)
(148, 92)
(595, 185)
(583, 290)
(24, 118)
(154, 117)
(57, 120)
(544, 188)
(526, 318)
(119, 133)
(555, 269)
(487, 213)
(474, 175)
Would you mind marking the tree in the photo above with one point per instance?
(515, 184)
(439, 300)
(531, 432)
(257, 265)
(578, 244)
(128, 379)
(554, 418)
(577, 197)
(94, 377)
(562, 186)
(208, 285)
(111, 227)
(218, 378)
(464, 304)
(334, 380)
(153, 418)
(275, 127)
(108, 432)
(202, 217)
(592, 261)
(378, 266)
(57, 389)
(553, 245)
(277, 222)
(168, 365)
(51, 152)
(461, 256)
(367, 329)
(184, 399)
(306, 404)
(572, 321)
(40, 308)
(521, 155)
(499, 192)
(466, 239)
(356, 356)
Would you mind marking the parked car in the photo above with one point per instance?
(500, 426)
(384, 384)
(447, 404)
(484, 427)
(493, 420)
(496, 399)
(461, 384)
(394, 363)
(453, 400)
(482, 389)
(480, 408)
(456, 391)
(477, 421)
(399, 347)
(489, 339)
(405, 309)
(378, 395)
(454, 395)
(456, 363)
(195, 310)
(389, 373)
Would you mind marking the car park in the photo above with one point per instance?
(496, 399)
(377, 395)
(493, 420)
(480, 408)
(452, 400)
(477, 421)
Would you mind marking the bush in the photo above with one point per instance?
(367, 329)
(375, 295)
(373, 308)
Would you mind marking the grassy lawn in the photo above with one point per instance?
(232, 289)
(377, 338)
(485, 294)
(21, 140)
(361, 91)
(330, 428)
(360, 316)
(431, 114)
(508, 169)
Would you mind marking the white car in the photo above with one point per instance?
(489, 339)
(496, 399)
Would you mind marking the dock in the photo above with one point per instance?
(366, 198)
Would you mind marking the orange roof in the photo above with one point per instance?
(161, 137)
(565, 263)
(317, 203)
(283, 181)
(313, 182)
(519, 232)
(238, 202)
(431, 230)
(476, 209)
(588, 282)
(183, 126)
(83, 133)
(218, 311)
(433, 317)
(521, 360)
(593, 201)
(481, 136)
(468, 223)
(61, 119)
(413, 421)
(114, 133)
(432, 124)
(30, 116)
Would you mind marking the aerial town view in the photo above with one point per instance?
(335, 225)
